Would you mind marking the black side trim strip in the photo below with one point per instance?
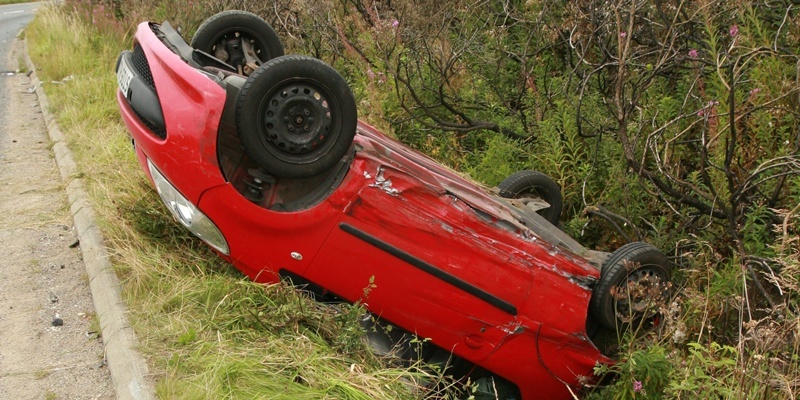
(431, 269)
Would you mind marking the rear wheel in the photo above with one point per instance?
(296, 117)
(239, 38)
(634, 283)
(535, 184)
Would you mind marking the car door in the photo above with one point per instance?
(425, 261)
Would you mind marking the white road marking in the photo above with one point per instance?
(13, 12)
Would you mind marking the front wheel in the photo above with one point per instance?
(296, 117)
(239, 38)
(634, 283)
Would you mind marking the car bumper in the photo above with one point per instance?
(176, 146)
(185, 152)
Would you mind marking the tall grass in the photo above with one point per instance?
(208, 332)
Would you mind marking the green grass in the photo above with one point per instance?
(4, 2)
(208, 332)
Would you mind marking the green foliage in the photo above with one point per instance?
(757, 231)
(643, 374)
(560, 153)
(499, 158)
(708, 372)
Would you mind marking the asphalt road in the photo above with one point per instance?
(13, 18)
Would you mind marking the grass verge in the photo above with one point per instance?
(208, 332)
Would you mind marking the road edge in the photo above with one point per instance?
(126, 364)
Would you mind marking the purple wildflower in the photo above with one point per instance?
(693, 53)
(733, 31)
(637, 386)
(395, 23)
(623, 34)
(370, 74)
(755, 91)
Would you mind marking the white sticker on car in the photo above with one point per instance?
(124, 77)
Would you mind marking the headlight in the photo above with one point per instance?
(186, 213)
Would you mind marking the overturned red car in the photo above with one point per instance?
(262, 156)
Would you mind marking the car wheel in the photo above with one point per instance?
(296, 116)
(634, 282)
(239, 38)
(535, 184)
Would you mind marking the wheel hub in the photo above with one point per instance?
(297, 119)
(239, 50)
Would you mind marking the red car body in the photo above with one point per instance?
(437, 254)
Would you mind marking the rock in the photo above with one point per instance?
(58, 322)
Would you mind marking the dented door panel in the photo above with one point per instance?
(404, 240)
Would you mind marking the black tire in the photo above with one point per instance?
(296, 117)
(230, 34)
(535, 184)
(634, 263)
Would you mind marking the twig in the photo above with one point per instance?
(609, 216)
